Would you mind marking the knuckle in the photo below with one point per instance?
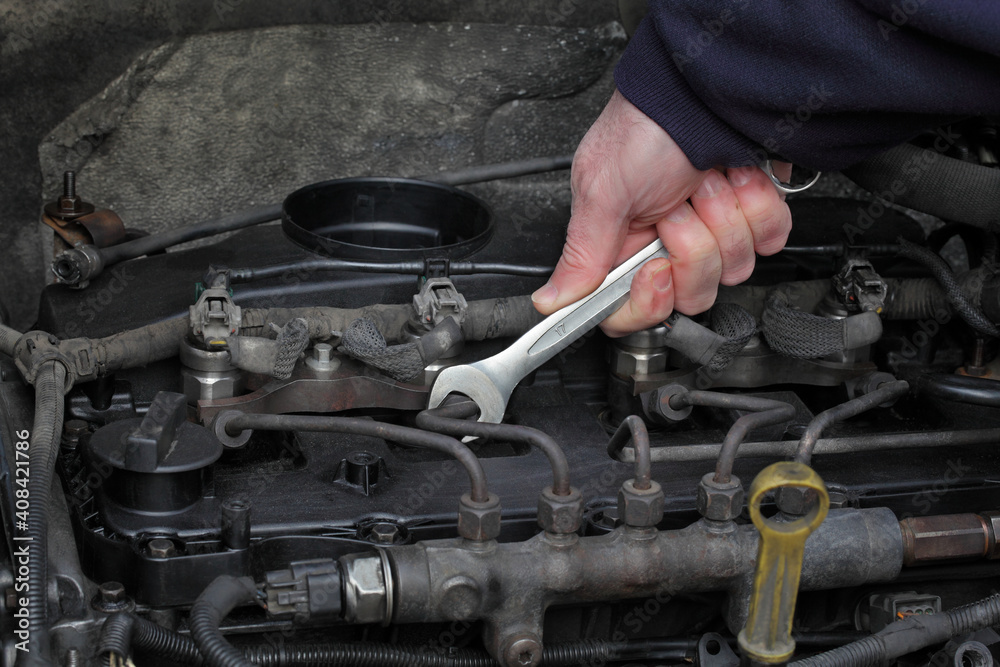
(697, 303)
(701, 252)
(771, 229)
(577, 258)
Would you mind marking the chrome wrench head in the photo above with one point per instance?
(490, 382)
(470, 380)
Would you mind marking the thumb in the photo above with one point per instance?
(593, 241)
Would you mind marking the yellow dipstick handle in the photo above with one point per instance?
(767, 636)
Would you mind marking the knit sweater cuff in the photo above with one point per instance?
(651, 78)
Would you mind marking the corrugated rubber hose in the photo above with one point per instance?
(44, 444)
(933, 183)
(908, 635)
(221, 596)
(964, 306)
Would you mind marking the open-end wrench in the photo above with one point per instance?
(491, 381)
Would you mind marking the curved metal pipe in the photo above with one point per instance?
(452, 420)
(888, 391)
(633, 426)
(765, 412)
(408, 436)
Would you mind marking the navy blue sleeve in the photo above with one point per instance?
(822, 83)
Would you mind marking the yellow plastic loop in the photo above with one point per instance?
(767, 636)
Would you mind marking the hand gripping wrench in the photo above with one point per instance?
(491, 381)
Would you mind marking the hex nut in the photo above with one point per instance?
(794, 500)
(479, 521)
(211, 385)
(720, 501)
(640, 508)
(626, 363)
(365, 589)
(561, 515)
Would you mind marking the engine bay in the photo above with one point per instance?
(244, 469)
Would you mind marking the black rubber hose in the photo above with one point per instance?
(452, 420)
(162, 240)
(50, 384)
(633, 427)
(915, 299)
(124, 630)
(246, 275)
(214, 604)
(949, 283)
(889, 391)
(908, 635)
(765, 412)
(493, 172)
(500, 318)
(960, 388)
(154, 243)
(140, 347)
(403, 434)
(927, 181)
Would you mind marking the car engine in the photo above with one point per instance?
(228, 454)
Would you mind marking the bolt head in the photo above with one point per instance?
(112, 591)
(161, 548)
(384, 533)
(322, 351)
(111, 597)
(523, 652)
(479, 521)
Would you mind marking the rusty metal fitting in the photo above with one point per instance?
(560, 514)
(992, 520)
(68, 205)
(720, 501)
(479, 521)
(78, 265)
(640, 508)
(111, 598)
(795, 500)
(929, 539)
(666, 403)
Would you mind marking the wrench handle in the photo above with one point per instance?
(565, 326)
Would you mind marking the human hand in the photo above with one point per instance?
(630, 184)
